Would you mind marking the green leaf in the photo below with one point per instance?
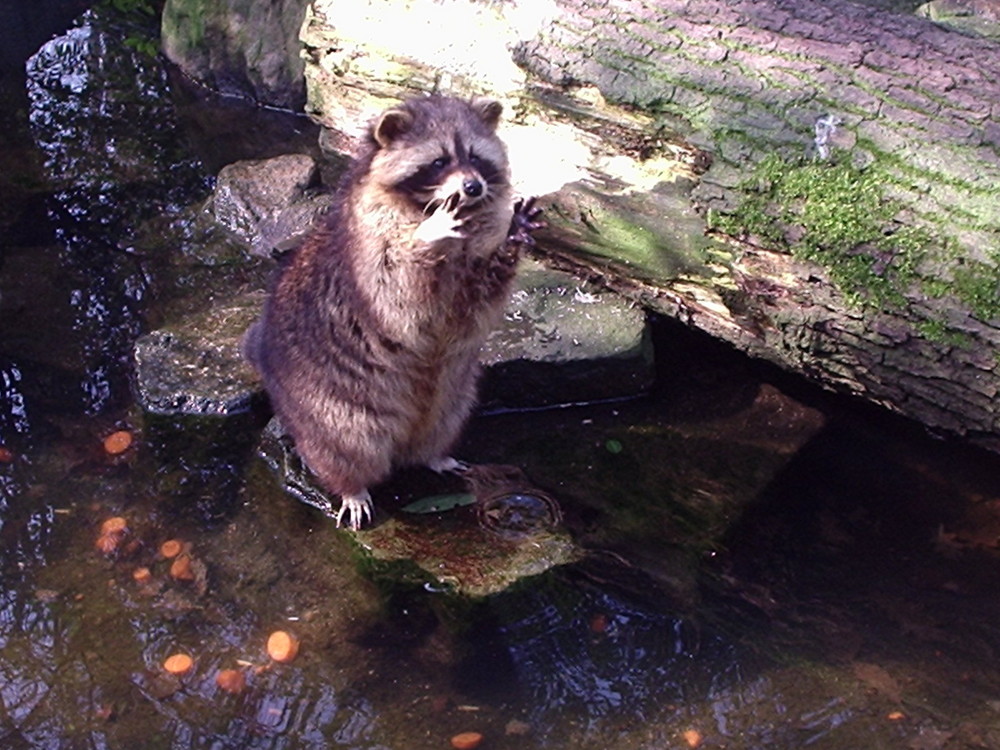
(440, 503)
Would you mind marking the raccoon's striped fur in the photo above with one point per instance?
(368, 342)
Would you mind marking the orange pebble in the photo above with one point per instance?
(895, 716)
(114, 525)
(282, 646)
(6, 455)
(692, 737)
(466, 740)
(142, 575)
(118, 442)
(599, 623)
(178, 664)
(171, 548)
(231, 680)
(107, 544)
(181, 569)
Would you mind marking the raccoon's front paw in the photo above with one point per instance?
(442, 224)
(524, 222)
(358, 509)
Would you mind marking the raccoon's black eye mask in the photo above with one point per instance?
(487, 169)
(422, 183)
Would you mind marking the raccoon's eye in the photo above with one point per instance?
(440, 163)
(484, 166)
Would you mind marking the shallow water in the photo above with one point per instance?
(765, 566)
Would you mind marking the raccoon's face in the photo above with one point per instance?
(441, 151)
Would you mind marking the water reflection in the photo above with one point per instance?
(100, 116)
(582, 651)
(13, 413)
(862, 583)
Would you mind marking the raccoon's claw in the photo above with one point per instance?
(358, 509)
(448, 465)
(451, 203)
(524, 222)
(441, 224)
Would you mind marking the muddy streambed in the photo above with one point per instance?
(760, 565)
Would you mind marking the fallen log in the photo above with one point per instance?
(815, 182)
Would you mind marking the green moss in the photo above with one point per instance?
(838, 214)
(138, 20)
(185, 25)
(834, 213)
(977, 284)
(642, 246)
(937, 330)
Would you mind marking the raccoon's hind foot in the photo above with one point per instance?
(357, 508)
(442, 224)
(524, 222)
(448, 465)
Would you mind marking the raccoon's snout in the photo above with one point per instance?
(472, 187)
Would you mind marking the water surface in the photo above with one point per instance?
(766, 566)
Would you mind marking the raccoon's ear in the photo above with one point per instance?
(489, 110)
(390, 125)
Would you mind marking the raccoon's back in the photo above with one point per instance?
(315, 316)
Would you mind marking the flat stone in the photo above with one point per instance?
(462, 557)
(195, 367)
(451, 551)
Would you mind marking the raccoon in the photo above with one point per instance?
(368, 343)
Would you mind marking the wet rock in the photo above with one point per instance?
(195, 367)
(107, 155)
(506, 502)
(562, 342)
(265, 202)
(285, 229)
(558, 344)
(460, 556)
(452, 551)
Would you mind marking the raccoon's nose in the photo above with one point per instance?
(472, 187)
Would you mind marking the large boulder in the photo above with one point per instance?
(244, 48)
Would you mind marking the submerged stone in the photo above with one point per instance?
(562, 342)
(515, 514)
(460, 556)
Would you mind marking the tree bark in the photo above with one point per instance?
(887, 290)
